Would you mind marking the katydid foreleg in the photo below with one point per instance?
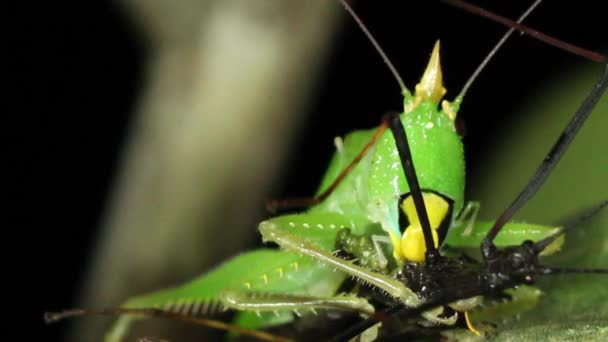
(293, 243)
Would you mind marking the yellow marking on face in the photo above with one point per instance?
(265, 277)
(280, 272)
(248, 285)
(396, 242)
(412, 246)
(295, 265)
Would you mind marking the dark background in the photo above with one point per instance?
(70, 56)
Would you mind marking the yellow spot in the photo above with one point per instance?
(436, 209)
(248, 285)
(265, 277)
(430, 88)
(412, 246)
(396, 246)
(280, 272)
(470, 325)
(295, 265)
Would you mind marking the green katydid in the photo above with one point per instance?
(373, 212)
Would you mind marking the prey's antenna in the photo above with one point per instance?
(542, 244)
(560, 146)
(549, 162)
(562, 143)
(374, 42)
(594, 56)
(407, 163)
(564, 270)
(495, 49)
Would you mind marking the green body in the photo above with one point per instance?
(366, 203)
(375, 185)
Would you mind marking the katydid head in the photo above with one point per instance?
(434, 142)
(444, 155)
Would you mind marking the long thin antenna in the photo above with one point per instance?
(594, 56)
(52, 317)
(371, 38)
(542, 244)
(563, 270)
(549, 162)
(273, 205)
(495, 49)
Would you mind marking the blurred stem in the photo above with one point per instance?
(226, 82)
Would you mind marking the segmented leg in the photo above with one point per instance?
(468, 217)
(435, 316)
(273, 302)
(296, 244)
(378, 240)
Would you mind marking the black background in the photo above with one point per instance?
(75, 70)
